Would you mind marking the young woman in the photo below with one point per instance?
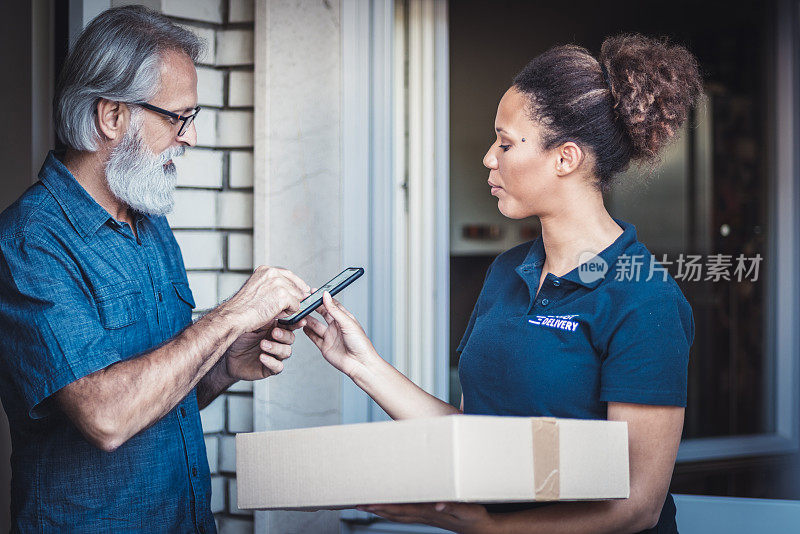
(581, 322)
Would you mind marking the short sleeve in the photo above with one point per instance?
(50, 329)
(648, 352)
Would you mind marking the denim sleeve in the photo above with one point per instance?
(648, 353)
(50, 329)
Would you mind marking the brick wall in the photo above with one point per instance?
(213, 217)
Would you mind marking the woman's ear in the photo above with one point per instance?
(112, 118)
(569, 157)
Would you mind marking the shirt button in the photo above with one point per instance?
(545, 302)
(194, 471)
(160, 297)
(527, 269)
(556, 283)
(183, 412)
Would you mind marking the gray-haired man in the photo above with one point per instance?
(102, 374)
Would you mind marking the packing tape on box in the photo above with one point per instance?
(545, 459)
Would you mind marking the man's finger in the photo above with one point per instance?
(274, 366)
(275, 349)
(299, 324)
(284, 336)
(298, 282)
(293, 289)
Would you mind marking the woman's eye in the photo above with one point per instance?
(505, 147)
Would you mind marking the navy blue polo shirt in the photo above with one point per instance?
(615, 329)
(79, 292)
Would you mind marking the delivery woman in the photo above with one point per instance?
(580, 323)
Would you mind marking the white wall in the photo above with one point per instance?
(298, 205)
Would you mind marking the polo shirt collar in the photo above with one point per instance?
(82, 210)
(536, 255)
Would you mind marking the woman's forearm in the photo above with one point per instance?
(396, 394)
(612, 517)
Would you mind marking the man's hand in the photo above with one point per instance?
(260, 345)
(259, 354)
(268, 292)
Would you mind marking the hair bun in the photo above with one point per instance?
(654, 84)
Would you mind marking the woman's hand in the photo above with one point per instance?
(342, 341)
(459, 517)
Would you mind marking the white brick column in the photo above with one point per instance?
(297, 219)
(213, 216)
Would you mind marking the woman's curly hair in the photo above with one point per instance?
(627, 113)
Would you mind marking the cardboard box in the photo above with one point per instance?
(463, 458)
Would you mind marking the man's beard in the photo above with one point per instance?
(139, 178)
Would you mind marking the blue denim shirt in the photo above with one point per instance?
(79, 292)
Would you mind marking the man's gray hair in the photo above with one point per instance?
(116, 57)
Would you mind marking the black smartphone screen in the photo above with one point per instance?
(314, 300)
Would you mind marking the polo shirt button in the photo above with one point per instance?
(545, 302)
(183, 412)
(556, 283)
(194, 471)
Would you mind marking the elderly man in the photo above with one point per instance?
(102, 373)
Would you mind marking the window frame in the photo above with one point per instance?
(373, 193)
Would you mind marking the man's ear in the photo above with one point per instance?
(112, 118)
(569, 157)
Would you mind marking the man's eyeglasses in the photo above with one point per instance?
(185, 120)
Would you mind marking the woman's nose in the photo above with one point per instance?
(489, 160)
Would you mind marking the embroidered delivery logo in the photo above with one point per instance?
(560, 322)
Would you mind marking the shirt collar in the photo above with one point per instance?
(536, 256)
(82, 210)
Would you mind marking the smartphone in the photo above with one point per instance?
(314, 300)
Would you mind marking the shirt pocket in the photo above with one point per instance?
(182, 309)
(118, 304)
(184, 293)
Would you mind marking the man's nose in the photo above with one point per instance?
(189, 137)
